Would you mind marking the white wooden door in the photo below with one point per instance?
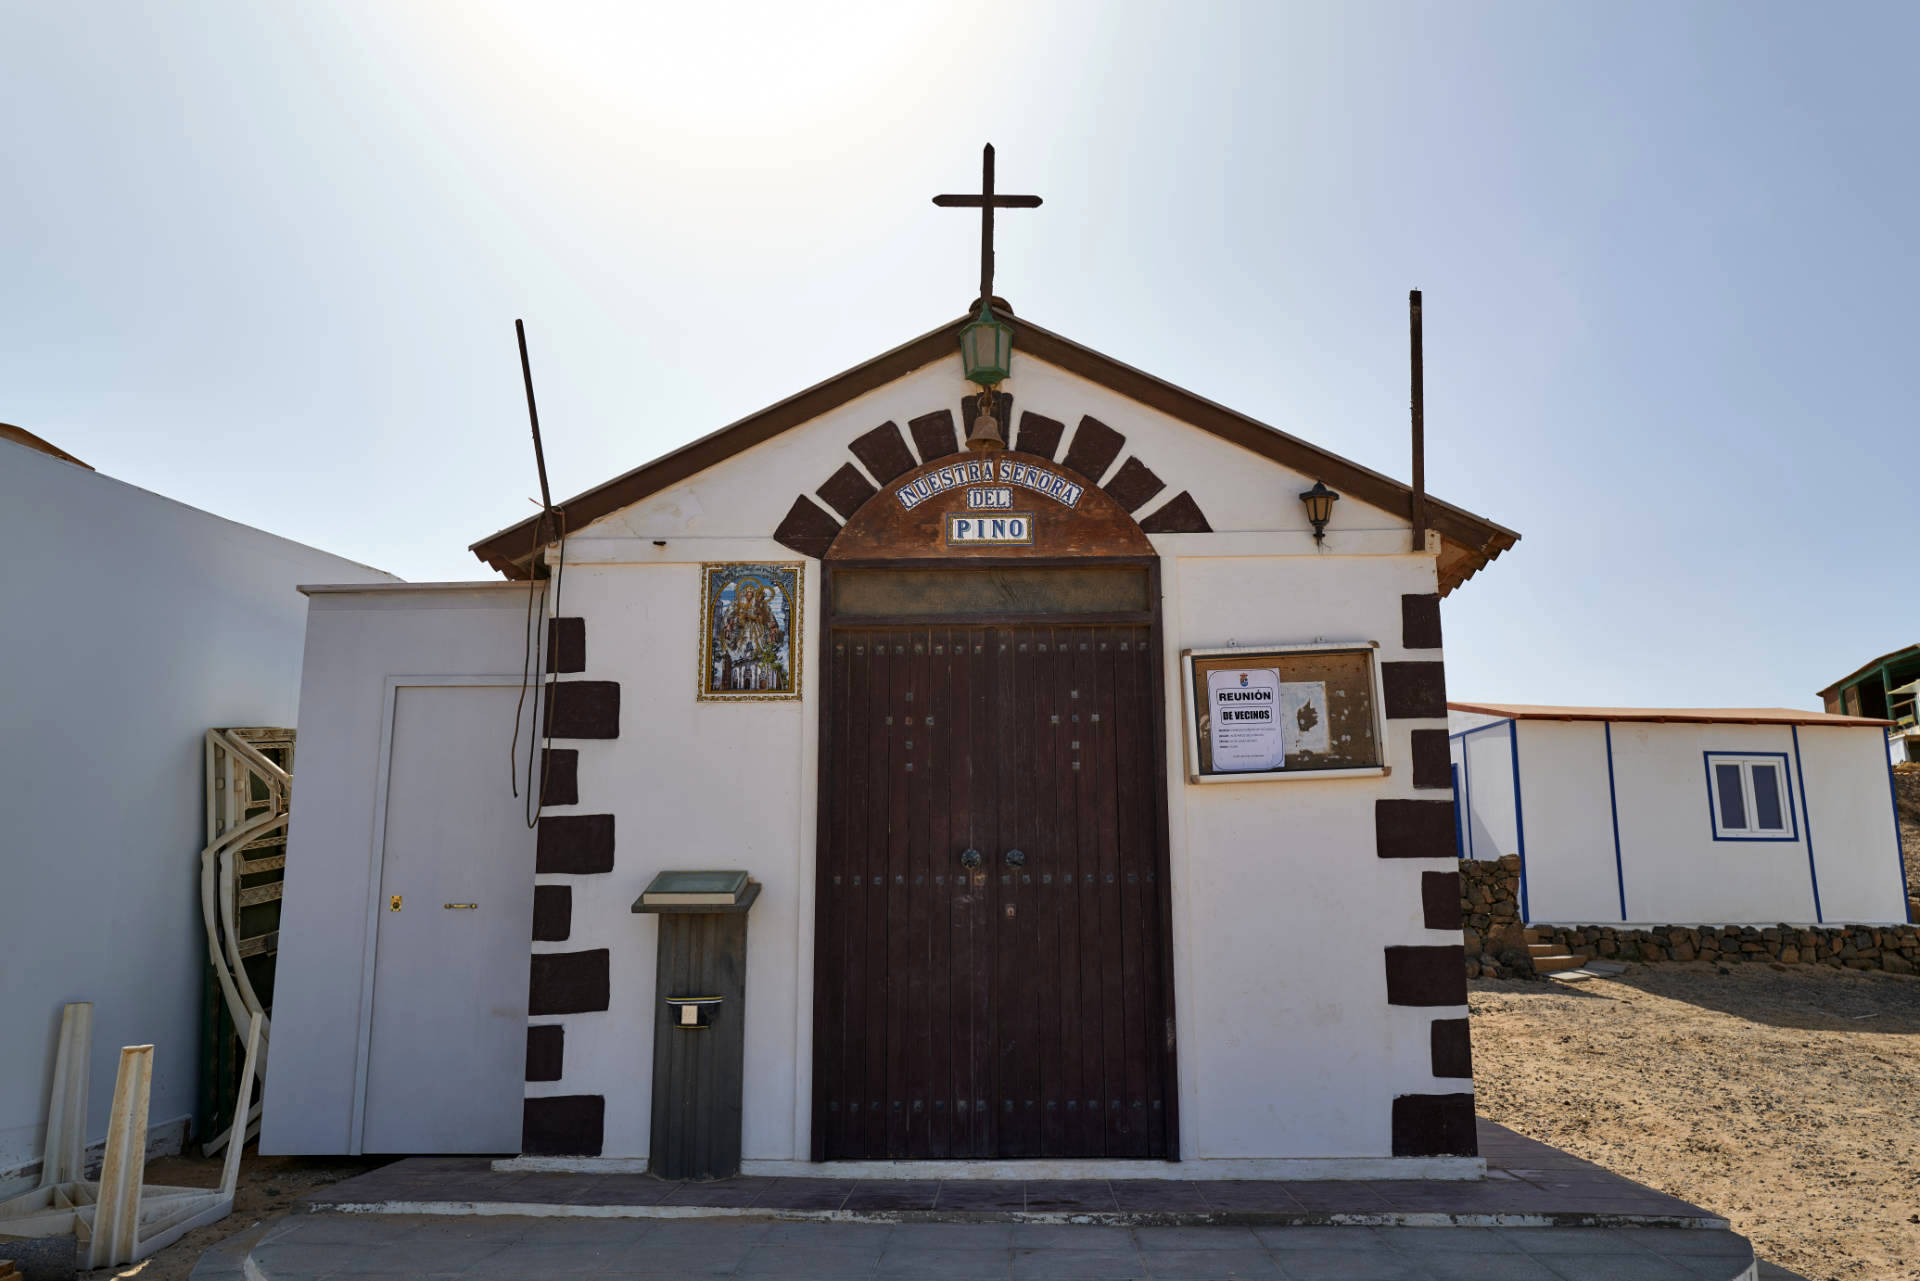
(446, 1057)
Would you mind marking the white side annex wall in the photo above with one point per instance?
(1670, 867)
(134, 625)
(356, 642)
(1568, 820)
(1281, 907)
(1849, 805)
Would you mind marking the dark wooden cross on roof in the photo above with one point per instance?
(986, 202)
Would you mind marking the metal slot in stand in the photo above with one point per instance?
(699, 1031)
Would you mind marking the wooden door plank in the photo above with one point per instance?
(1063, 789)
(986, 808)
(1048, 964)
(941, 861)
(1092, 932)
(1028, 975)
(1113, 1022)
(1129, 730)
(829, 944)
(918, 1106)
(873, 1127)
(895, 870)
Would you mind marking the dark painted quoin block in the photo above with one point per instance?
(1452, 1048)
(564, 1125)
(806, 529)
(560, 776)
(1413, 829)
(933, 435)
(1434, 1125)
(883, 453)
(1427, 975)
(566, 644)
(1178, 515)
(1420, 622)
(1432, 760)
(1134, 485)
(583, 709)
(1414, 690)
(552, 913)
(1039, 434)
(1095, 446)
(847, 490)
(577, 983)
(1440, 900)
(546, 1051)
(575, 844)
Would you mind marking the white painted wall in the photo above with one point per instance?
(355, 643)
(1673, 869)
(134, 624)
(1281, 907)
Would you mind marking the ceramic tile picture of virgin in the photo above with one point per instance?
(749, 616)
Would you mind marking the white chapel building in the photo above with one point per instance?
(1098, 805)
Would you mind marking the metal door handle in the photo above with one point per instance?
(970, 858)
(1016, 858)
(461, 907)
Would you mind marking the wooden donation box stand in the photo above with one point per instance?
(699, 1031)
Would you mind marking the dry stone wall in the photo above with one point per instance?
(1906, 801)
(1496, 940)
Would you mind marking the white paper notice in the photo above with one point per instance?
(1303, 712)
(1243, 719)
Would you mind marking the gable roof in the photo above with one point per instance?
(1867, 669)
(1472, 540)
(1683, 715)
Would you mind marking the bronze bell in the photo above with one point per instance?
(986, 434)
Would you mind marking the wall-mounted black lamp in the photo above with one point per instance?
(1319, 502)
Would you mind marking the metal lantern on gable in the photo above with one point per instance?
(1319, 503)
(986, 351)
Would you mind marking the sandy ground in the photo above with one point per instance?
(268, 1186)
(1786, 1098)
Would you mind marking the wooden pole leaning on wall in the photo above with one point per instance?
(67, 1107)
(1418, 397)
(116, 1215)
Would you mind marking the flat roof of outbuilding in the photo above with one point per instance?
(1683, 715)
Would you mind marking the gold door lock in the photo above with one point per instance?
(460, 907)
(393, 904)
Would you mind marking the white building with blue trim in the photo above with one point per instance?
(1654, 816)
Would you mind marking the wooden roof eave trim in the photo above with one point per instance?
(1482, 537)
(506, 549)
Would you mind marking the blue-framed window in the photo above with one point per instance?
(1749, 798)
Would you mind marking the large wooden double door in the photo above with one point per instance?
(992, 963)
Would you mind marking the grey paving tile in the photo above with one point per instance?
(1207, 1238)
(805, 1194)
(1336, 1194)
(1248, 1194)
(411, 1256)
(1158, 1194)
(1349, 1265)
(319, 1229)
(731, 1194)
(1685, 1241)
(949, 1236)
(734, 1236)
(1706, 1267)
(881, 1194)
(947, 1265)
(292, 1259)
(1070, 1236)
(570, 1229)
(1070, 1194)
(1548, 1242)
(1213, 1265)
(828, 1234)
(550, 1259)
(981, 1194)
(1309, 1238)
(1460, 1266)
(1418, 1241)
(825, 1261)
(690, 1260)
(1625, 1267)
(1078, 1265)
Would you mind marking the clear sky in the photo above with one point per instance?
(266, 259)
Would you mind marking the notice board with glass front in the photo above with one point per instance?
(1295, 711)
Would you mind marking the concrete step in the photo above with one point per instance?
(1554, 964)
(1544, 949)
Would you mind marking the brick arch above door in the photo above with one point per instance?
(883, 455)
